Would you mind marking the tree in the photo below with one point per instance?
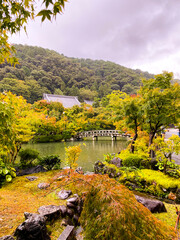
(14, 16)
(132, 115)
(160, 100)
(72, 155)
(18, 117)
(165, 149)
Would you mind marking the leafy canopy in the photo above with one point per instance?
(14, 16)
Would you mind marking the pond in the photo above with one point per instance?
(92, 151)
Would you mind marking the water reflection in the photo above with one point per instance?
(93, 151)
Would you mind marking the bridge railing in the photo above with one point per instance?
(98, 133)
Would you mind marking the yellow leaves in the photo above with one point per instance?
(22, 117)
(72, 155)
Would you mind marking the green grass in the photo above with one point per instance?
(170, 216)
(160, 178)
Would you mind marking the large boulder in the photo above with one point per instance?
(155, 206)
(117, 162)
(33, 228)
(99, 167)
(64, 194)
(50, 211)
(36, 169)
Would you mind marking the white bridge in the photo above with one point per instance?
(101, 133)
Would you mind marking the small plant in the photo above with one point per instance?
(27, 156)
(6, 173)
(108, 157)
(50, 162)
(72, 155)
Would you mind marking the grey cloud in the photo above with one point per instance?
(129, 32)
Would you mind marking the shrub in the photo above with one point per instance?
(27, 156)
(47, 138)
(50, 162)
(132, 160)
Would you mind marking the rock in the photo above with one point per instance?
(63, 210)
(43, 185)
(33, 228)
(153, 205)
(99, 167)
(117, 162)
(50, 211)
(75, 195)
(73, 200)
(67, 234)
(28, 171)
(64, 194)
(8, 237)
(28, 215)
(71, 205)
(76, 219)
(70, 212)
(88, 173)
(32, 178)
(79, 209)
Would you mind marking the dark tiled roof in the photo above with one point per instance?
(67, 101)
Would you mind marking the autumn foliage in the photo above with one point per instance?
(111, 211)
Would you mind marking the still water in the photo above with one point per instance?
(92, 151)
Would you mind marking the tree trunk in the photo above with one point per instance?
(151, 137)
(133, 142)
(18, 148)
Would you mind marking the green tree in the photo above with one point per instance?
(160, 100)
(132, 115)
(165, 149)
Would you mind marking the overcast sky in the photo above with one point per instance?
(143, 34)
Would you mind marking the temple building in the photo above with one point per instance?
(67, 101)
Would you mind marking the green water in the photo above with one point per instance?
(92, 152)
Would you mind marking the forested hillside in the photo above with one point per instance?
(45, 71)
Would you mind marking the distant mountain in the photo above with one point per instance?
(46, 71)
